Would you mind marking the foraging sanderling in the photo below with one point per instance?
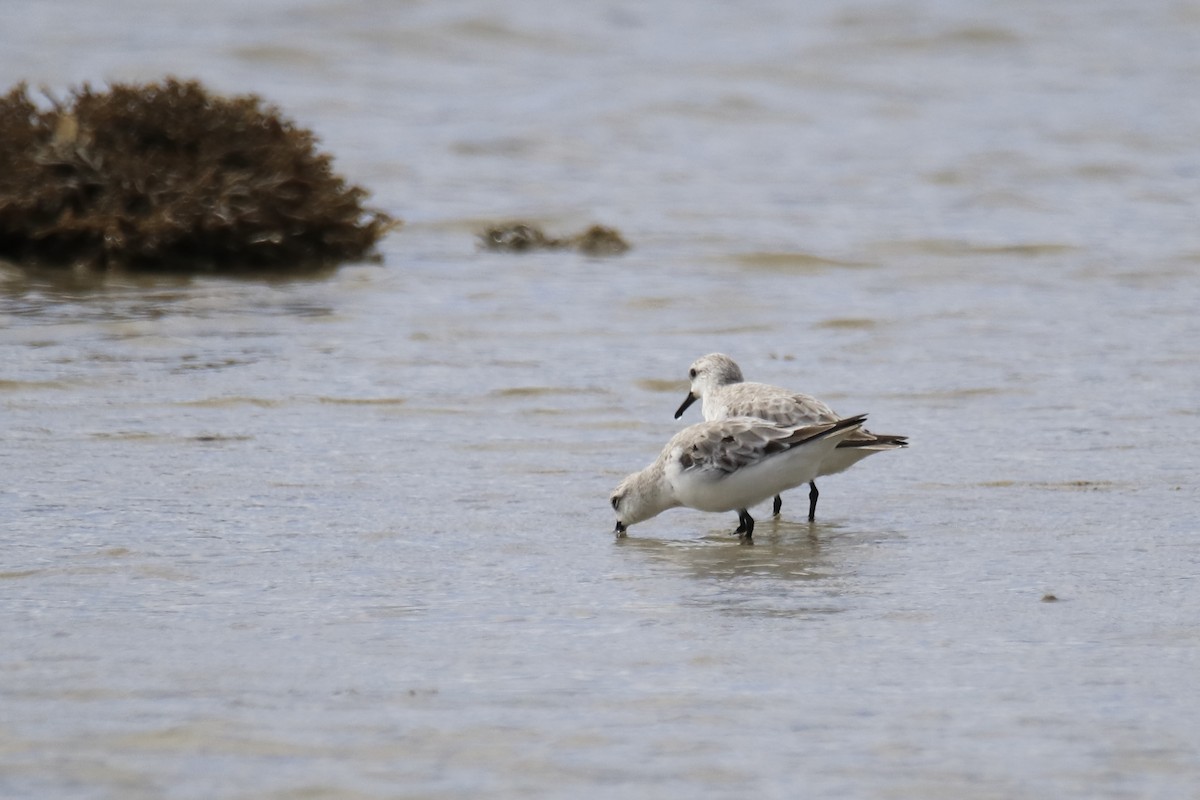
(728, 465)
(718, 383)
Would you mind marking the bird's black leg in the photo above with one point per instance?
(813, 494)
(778, 505)
(745, 524)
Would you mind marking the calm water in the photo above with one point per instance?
(348, 536)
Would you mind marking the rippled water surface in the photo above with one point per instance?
(348, 535)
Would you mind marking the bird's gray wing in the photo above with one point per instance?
(727, 445)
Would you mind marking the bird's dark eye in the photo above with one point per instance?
(692, 374)
(615, 502)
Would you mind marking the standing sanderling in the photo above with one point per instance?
(728, 465)
(717, 381)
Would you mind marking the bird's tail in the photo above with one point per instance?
(875, 441)
(812, 433)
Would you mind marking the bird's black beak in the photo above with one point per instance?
(620, 529)
(691, 398)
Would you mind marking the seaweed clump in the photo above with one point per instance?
(521, 237)
(167, 176)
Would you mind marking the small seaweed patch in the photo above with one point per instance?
(795, 262)
(662, 386)
(517, 238)
(521, 237)
(1069, 486)
(537, 391)
(167, 176)
(600, 241)
(847, 323)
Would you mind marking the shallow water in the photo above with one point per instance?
(348, 535)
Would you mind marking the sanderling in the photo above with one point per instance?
(717, 381)
(728, 465)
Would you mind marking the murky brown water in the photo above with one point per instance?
(348, 536)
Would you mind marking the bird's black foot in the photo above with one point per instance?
(778, 505)
(813, 494)
(745, 524)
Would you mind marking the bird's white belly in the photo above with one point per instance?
(712, 490)
(843, 458)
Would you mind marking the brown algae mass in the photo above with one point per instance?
(520, 237)
(167, 176)
(600, 241)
